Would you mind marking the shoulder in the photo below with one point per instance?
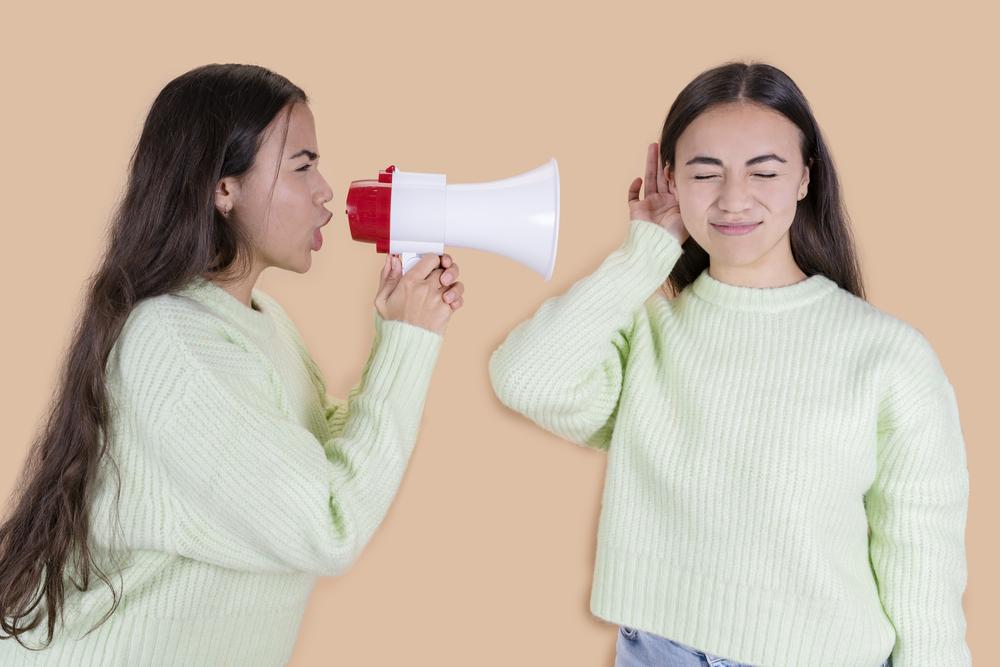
(193, 331)
(647, 326)
(147, 370)
(147, 339)
(284, 324)
(660, 313)
(908, 367)
(889, 336)
(281, 317)
(172, 348)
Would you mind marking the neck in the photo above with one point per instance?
(242, 289)
(748, 276)
(776, 268)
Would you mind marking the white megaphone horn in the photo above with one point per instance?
(412, 213)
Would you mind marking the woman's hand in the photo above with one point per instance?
(453, 295)
(422, 296)
(658, 204)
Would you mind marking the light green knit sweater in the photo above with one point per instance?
(241, 481)
(754, 435)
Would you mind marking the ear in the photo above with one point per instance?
(226, 194)
(804, 184)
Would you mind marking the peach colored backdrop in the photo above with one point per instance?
(485, 558)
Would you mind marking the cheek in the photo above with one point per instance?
(694, 201)
(779, 197)
(290, 211)
(292, 190)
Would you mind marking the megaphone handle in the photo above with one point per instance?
(408, 259)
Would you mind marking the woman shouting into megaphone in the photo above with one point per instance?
(192, 452)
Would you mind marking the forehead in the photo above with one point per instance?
(737, 132)
(301, 128)
(301, 131)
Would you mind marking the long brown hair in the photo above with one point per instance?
(204, 125)
(820, 235)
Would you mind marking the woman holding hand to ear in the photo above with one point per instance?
(786, 476)
(193, 461)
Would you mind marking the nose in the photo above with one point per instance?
(323, 196)
(734, 196)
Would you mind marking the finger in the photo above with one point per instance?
(451, 275)
(633, 190)
(391, 280)
(661, 177)
(386, 273)
(446, 260)
(386, 268)
(454, 292)
(427, 263)
(434, 278)
(456, 304)
(651, 161)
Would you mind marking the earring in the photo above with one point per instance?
(226, 212)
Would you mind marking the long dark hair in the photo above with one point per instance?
(820, 234)
(204, 125)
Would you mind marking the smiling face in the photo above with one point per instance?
(284, 236)
(740, 163)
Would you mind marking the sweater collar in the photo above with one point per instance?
(258, 321)
(761, 299)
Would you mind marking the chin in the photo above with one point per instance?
(734, 256)
(299, 266)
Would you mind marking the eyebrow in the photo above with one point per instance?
(704, 159)
(305, 151)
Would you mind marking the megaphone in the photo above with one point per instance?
(413, 213)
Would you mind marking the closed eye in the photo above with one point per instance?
(303, 168)
(705, 178)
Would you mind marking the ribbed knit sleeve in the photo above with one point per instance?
(254, 490)
(563, 367)
(335, 409)
(917, 511)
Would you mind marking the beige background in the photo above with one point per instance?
(486, 555)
